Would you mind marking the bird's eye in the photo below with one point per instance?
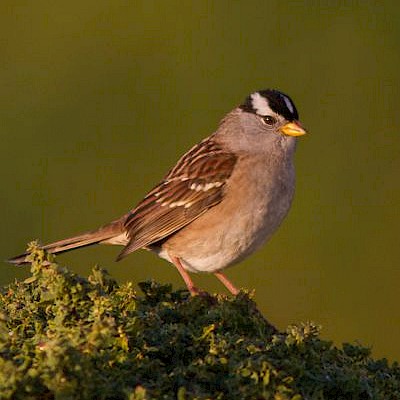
(268, 120)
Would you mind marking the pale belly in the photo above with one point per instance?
(232, 230)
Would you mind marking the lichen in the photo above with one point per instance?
(66, 337)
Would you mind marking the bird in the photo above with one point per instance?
(222, 200)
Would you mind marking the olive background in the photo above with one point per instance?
(99, 99)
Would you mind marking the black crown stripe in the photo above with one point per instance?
(276, 102)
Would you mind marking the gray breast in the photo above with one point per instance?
(258, 197)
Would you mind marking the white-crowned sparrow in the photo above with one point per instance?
(223, 199)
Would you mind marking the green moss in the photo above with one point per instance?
(66, 337)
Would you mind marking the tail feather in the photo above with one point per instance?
(102, 234)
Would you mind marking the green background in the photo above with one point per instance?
(99, 98)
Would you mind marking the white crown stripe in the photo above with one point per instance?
(288, 103)
(260, 104)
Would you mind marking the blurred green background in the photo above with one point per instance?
(99, 98)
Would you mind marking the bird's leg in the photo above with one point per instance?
(185, 276)
(227, 283)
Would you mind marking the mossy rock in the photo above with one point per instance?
(66, 337)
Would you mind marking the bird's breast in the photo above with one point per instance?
(255, 202)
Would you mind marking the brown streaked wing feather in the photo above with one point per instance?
(193, 186)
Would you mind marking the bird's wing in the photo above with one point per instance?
(193, 186)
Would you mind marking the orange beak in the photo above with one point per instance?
(293, 129)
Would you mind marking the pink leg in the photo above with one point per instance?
(227, 283)
(186, 277)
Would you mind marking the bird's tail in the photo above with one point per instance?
(104, 234)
